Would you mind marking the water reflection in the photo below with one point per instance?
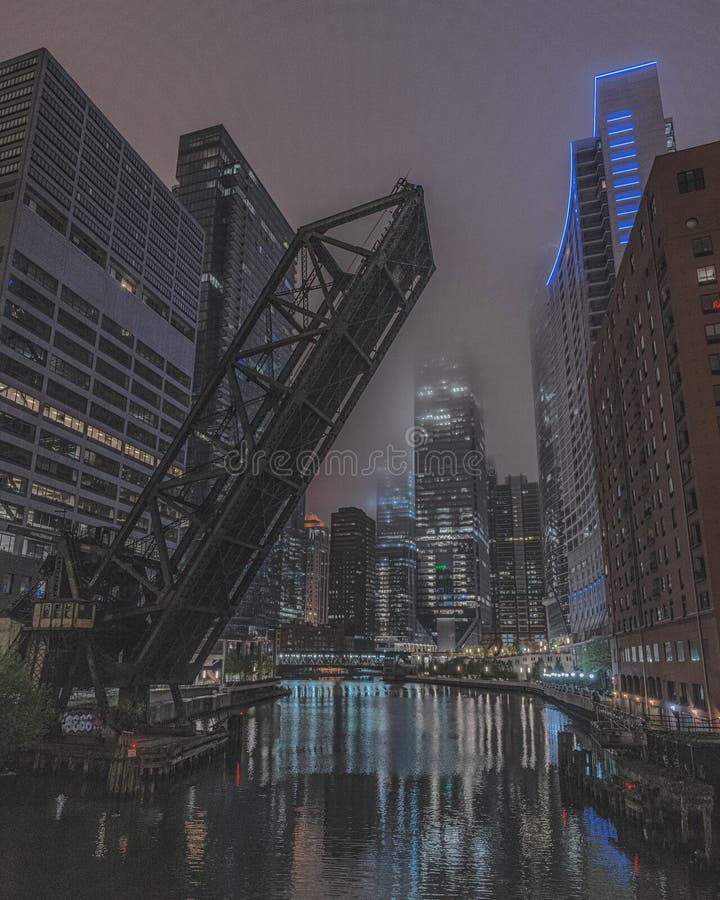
(345, 790)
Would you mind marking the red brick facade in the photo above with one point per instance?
(655, 400)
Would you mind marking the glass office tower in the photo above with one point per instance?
(453, 579)
(396, 556)
(607, 174)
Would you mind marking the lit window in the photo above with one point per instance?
(52, 494)
(64, 419)
(102, 437)
(710, 303)
(140, 455)
(19, 398)
(706, 275)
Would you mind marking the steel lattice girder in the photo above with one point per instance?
(254, 437)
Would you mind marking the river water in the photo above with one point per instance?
(350, 789)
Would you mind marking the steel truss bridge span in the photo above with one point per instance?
(329, 659)
(154, 606)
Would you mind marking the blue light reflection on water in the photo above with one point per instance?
(346, 790)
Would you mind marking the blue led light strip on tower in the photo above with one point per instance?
(625, 182)
(619, 114)
(567, 218)
(619, 170)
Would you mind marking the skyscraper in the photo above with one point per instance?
(607, 172)
(292, 567)
(655, 398)
(246, 236)
(100, 271)
(396, 556)
(317, 570)
(629, 122)
(516, 566)
(556, 597)
(352, 596)
(453, 578)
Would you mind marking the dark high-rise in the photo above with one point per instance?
(453, 580)
(100, 272)
(352, 595)
(246, 236)
(396, 556)
(516, 564)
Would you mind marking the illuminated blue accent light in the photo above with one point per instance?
(567, 219)
(625, 241)
(620, 114)
(618, 170)
(616, 157)
(624, 130)
(625, 227)
(626, 182)
(620, 197)
(609, 75)
(622, 143)
(631, 211)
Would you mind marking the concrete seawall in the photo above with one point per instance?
(575, 704)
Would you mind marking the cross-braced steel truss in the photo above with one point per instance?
(253, 439)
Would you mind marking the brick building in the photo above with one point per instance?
(655, 402)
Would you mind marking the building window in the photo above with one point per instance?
(710, 303)
(702, 246)
(690, 180)
(88, 247)
(695, 534)
(58, 444)
(680, 650)
(79, 304)
(706, 275)
(668, 651)
(694, 648)
(704, 600)
(117, 331)
(712, 333)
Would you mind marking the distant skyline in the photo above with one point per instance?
(332, 101)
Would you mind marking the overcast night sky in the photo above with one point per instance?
(332, 100)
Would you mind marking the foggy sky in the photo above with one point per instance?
(332, 100)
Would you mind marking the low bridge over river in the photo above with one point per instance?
(315, 661)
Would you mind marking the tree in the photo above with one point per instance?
(537, 671)
(25, 711)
